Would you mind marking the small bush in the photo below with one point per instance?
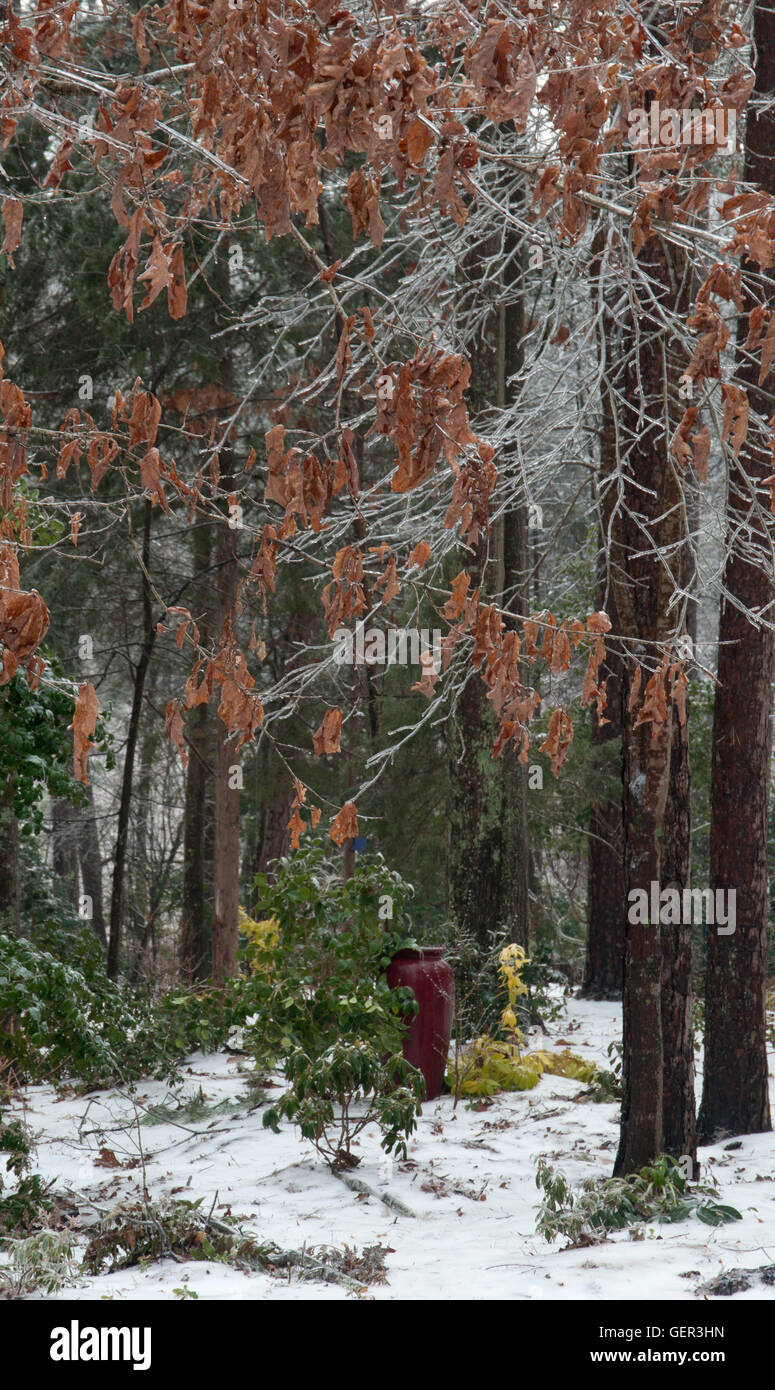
(317, 952)
(659, 1192)
(43, 1261)
(488, 1065)
(61, 1019)
(20, 1207)
(606, 1083)
(333, 1098)
(143, 1232)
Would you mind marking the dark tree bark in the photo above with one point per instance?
(9, 864)
(194, 936)
(226, 867)
(606, 903)
(606, 898)
(90, 860)
(644, 582)
(487, 840)
(679, 1125)
(275, 837)
(606, 891)
(226, 873)
(735, 1098)
(679, 1128)
(64, 846)
(194, 940)
(127, 779)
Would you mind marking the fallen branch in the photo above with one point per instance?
(363, 1189)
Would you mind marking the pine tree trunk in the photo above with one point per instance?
(679, 1124)
(228, 776)
(647, 532)
(194, 943)
(679, 1129)
(9, 864)
(735, 1097)
(275, 836)
(647, 763)
(65, 848)
(606, 899)
(606, 892)
(226, 874)
(90, 861)
(604, 960)
(127, 778)
(226, 849)
(487, 855)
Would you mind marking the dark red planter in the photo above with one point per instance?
(426, 1045)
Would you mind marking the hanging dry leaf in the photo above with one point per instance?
(13, 214)
(345, 826)
(558, 739)
(326, 738)
(83, 726)
(430, 676)
(419, 556)
(175, 729)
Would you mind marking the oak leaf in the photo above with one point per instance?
(345, 826)
(83, 726)
(326, 739)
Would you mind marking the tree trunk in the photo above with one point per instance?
(606, 903)
(679, 1126)
(9, 864)
(127, 779)
(646, 533)
(227, 797)
(679, 1129)
(606, 893)
(90, 861)
(606, 898)
(735, 1098)
(487, 845)
(275, 837)
(64, 844)
(194, 943)
(228, 775)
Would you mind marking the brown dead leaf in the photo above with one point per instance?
(13, 214)
(326, 739)
(83, 726)
(345, 826)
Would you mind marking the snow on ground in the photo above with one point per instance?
(469, 1180)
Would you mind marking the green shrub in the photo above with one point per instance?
(42, 1261)
(20, 1206)
(323, 1005)
(67, 1019)
(659, 1192)
(606, 1084)
(316, 979)
(319, 977)
(333, 1098)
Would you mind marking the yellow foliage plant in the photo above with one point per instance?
(263, 938)
(488, 1065)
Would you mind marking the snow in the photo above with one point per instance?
(469, 1179)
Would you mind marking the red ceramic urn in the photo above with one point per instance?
(426, 1045)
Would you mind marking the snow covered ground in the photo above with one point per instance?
(469, 1180)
